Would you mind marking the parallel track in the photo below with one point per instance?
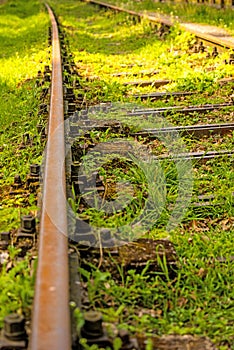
(209, 39)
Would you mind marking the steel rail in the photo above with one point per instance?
(199, 156)
(199, 130)
(130, 12)
(146, 73)
(180, 109)
(211, 39)
(158, 95)
(195, 130)
(154, 83)
(51, 317)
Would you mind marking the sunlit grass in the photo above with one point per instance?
(23, 52)
(114, 44)
(187, 12)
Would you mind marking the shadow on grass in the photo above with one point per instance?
(22, 27)
(108, 33)
(21, 9)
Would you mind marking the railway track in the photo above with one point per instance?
(53, 231)
(209, 39)
(58, 290)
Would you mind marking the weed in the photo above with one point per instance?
(16, 286)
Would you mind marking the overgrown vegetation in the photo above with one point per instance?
(23, 52)
(17, 284)
(199, 300)
(23, 31)
(114, 45)
(187, 11)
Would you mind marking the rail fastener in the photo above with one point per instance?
(13, 335)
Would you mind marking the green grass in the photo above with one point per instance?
(16, 286)
(23, 52)
(23, 31)
(190, 12)
(105, 43)
(197, 301)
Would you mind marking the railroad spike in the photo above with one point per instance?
(127, 342)
(5, 239)
(214, 52)
(93, 330)
(201, 47)
(13, 335)
(14, 327)
(28, 224)
(17, 186)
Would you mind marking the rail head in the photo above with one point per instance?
(51, 316)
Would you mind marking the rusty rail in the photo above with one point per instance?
(194, 130)
(209, 38)
(51, 318)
